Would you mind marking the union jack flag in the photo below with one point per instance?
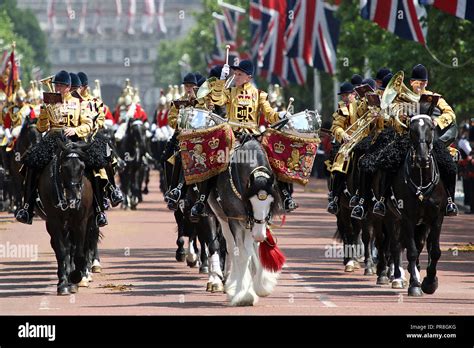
(313, 34)
(401, 17)
(460, 8)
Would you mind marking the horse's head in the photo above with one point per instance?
(137, 132)
(421, 136)
(260, 191)
(29, 134)
(71, 170)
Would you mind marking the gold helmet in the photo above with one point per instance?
(20, 94)
(96, 92)
(176, 94)
(163, 99)
(31, 95)
(136, 95)
(169, 94)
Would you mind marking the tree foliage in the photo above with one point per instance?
(22, 26)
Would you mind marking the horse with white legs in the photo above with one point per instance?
(244, 200)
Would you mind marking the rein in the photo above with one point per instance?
(421, 191)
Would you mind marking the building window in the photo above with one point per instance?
(92, 55)
(146, 54)
(109, 56)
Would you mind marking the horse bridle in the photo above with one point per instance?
(421, 190)
(62, 202)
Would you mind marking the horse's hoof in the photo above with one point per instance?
(145, 191)
(209, 287)
(356, 265)
(73, 288)
(429, 287)
(75, 276)
(89, 277)
(415, 291)
(217, 288)
(63, 290)
(84, 283)
(96, 269)
(204, 270)
(397, 284)
(349, 268)
(382, 280)
(368, 271)
(180, 256)
(191, 264)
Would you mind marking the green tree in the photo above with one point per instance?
(23, 48)
(26, 29)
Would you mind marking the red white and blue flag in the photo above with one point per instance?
(401, 17)
(313, 34)
(460, 8)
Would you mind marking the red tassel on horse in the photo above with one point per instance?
(271, 256)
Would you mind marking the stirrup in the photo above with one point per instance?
(198, 210)
(101, 220)
(23, 216)
(289, 204)
(333, 207)
(358, 212)
(379, 209)
(451, 208)
(353, 201)
(116, 197)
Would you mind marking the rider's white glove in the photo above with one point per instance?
(283, 114)
(8, 134)
(108, 123)
(225, 71)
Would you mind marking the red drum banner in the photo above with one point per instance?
(291, 157)
(205, 153)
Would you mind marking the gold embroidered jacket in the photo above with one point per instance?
(72, 115)
(244, 104)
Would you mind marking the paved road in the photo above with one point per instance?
(141, 276)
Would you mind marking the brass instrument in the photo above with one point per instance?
(396, 97)
(361, 125)
(51, 99)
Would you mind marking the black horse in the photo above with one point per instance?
(244, 199)
(352, 232)
(28, 136)
(206, 229)
(418, 208)
(131, 149)
(67, 200)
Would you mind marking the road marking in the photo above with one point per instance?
(311, 289)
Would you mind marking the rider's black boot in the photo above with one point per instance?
(25, 214)
(115, 194)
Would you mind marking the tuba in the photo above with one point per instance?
(51, 99)
(396, 97)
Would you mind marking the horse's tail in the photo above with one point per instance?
(338, 235)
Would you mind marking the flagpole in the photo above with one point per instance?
(317, 91)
